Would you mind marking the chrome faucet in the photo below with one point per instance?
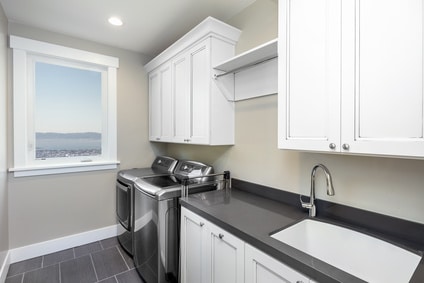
(330, 189)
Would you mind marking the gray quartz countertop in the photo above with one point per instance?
(252, 218)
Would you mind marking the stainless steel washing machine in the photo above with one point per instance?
(162, 165)
(156, 220)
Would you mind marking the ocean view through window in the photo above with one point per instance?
(64, 109)
(73, 97)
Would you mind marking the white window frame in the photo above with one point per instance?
(25, 51)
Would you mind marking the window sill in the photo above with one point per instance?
(63, 168)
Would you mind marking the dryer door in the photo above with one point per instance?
(123, 204)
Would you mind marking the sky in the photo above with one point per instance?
(67, 99)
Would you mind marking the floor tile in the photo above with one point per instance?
(79, 270)
(129, 277)
(14, 279)
(108, 262)
(24, 266)
(48, 274)
(100, 262)
(58, 257)
(110, 242)
(87, 249)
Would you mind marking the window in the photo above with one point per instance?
(64, 109)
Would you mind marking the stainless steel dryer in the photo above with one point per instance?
(162, 165)
(156, 220)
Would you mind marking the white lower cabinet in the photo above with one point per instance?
(210, 254)
(261, 268)
(224, 256)
(192, 247)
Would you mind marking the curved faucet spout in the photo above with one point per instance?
(330, 189)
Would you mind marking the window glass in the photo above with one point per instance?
(67, 111)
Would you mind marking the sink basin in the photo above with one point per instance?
(363, 256)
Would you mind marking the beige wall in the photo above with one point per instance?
(47, 207)
(4, 226)
(385, 185)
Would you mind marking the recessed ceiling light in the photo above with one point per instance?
(115, 21)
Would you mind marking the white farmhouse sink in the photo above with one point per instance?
(363, 256)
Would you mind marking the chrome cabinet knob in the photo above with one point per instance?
(345, 146)
(201, 224)
(332, 146)
(221, 236)
(158, 139)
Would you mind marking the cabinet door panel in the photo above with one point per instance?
(167, 123)
(161, 104)
(383, 114)
(389, 83)
(261, 268)
(192, 247)
(309, 78)
(155, 107)
(200, 101)
(227, 257)
(181, 72)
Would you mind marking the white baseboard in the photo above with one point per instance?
(55, 245)
(4, 268)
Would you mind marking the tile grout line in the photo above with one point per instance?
(123, 258)
(94, 267)
(60, 272)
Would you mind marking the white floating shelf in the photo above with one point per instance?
(251, 57)
(254, 73)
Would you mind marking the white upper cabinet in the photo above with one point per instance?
(161, 100)
(351, 76)
(192, 108)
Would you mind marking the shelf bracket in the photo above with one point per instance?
(216, 76)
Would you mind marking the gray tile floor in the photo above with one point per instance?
(103, 261)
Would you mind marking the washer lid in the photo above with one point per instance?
(169, 185)
(155, 185)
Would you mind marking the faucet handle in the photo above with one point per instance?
(308, 205)
(304, 203)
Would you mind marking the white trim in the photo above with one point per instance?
(5, 267)
(25, 50)
(63, 168)
(63, 243)
(208, 27)
(39, 47)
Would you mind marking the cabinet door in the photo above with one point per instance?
(192, 250)
(225, 264)
(155, 107)
(383, 77)
(261, 268)
(309, 74)
(181, 86)
(200, 92)
(161, 104)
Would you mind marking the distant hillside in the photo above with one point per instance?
(87, 135)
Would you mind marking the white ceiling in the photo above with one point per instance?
(149, 25)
